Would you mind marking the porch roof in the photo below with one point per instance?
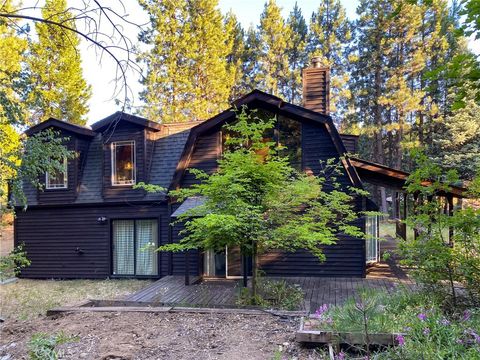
(388, 177)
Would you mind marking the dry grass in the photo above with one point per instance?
(26, 299)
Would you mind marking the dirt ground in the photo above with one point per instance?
(160, 336)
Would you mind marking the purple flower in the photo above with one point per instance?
(341, 356)
(400, 339)
(426, 331)
(475, 336)
(422, 316)
(329, 321)
(444, 322)
(466, 315)
(321, 310)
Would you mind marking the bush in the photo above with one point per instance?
(278, 294)
(440, 262)
(11, 264)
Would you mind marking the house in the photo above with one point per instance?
(89, 222)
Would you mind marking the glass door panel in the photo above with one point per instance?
(146, 243)
(133, 247)
(123, 247)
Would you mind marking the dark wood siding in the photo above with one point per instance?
(124, 131)
(52, 236)
(344, 259)
(179, 259)
(205, 155)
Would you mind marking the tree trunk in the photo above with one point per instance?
(254, 272)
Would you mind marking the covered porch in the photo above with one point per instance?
(403, 202)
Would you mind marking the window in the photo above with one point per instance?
(371, 232)
(58, 179)
(133, 245)
(123, 163)
(287, 135)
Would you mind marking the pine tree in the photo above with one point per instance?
(297, 55)
(251, 61)
(188, 76)
(273, 37)
(456, 141)
(60, 91)
(329, 38)
(236, 52)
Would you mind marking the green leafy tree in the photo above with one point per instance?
(59, 89)
(273, 37)
(258, 202)
(329, 38)
(188, 75)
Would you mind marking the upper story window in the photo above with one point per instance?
(287, 136)
(123, 163)
(57, 179)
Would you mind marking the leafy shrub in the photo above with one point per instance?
(278, 294)
(429, 331)
(42, 346)
(11, 264)
(438, 261)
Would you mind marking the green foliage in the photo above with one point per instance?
(437, 261)
(59, 89)
(188, 75)
(40, 153)
(149, 188)
(276, 294)
(428, 331)
(42, 345)
(456, 143)
(273, 36)
(11, 264)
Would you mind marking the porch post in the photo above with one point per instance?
(245, 269)
(187, 268)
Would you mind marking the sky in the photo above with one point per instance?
(99, 72)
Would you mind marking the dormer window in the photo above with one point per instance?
(57, 179)
(123, 163)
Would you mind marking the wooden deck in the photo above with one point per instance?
(171, 290)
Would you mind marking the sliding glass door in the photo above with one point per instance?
(133, 247)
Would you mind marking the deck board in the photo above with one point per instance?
(317, 290)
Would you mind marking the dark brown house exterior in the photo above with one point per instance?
(89, 222)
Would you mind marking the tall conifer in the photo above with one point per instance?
(330, 35)
(273, 38)
(188, 76)
(59, 89)
(297, 55)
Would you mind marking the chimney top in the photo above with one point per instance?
(316, 62)
(316, 86)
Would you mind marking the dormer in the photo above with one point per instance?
(128, 143)
(62, 187)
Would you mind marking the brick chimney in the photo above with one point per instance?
(316, 87)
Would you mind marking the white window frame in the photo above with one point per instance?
(113, 156)
(65, 178)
